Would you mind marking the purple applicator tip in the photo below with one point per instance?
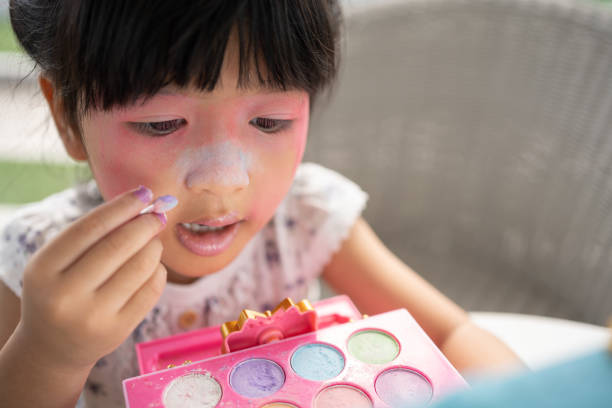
(161, 205)
(164, 203)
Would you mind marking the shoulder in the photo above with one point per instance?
(32, 225)
(319, 187)
(317, 215)
(53, 212)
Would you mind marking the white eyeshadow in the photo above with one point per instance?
(193, 390)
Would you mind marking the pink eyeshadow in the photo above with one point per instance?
(342, 396)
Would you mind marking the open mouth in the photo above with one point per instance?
(199, 228)
(205, 239)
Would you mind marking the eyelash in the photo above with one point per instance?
(268, 125)
(166, 127)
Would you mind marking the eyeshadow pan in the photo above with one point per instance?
(317, 362)
(402, 387)
(279, 405)
(193, 390)
(342, 396)
(373, 347)
(257, 377)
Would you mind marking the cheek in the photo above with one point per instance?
(120, 163)
(275, 172)
(301, 137)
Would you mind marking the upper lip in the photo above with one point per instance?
(221, 221)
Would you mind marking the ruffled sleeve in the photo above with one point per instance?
(317, 216)
(15, 250)
(35, 224)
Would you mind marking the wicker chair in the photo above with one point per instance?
(482, 131)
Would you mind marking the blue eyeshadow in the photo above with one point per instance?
(317, 362)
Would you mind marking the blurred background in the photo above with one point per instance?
(480, 128)
(33, 163)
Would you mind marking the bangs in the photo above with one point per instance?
(113, 52)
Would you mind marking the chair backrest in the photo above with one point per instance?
(482, 130)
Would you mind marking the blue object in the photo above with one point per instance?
(317, 362)
(583, 382)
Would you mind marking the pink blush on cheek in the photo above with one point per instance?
(119, 163)
(271, 186)
(301, 131)
(281, 167)
(301, 143)
(115, 179)
(107, 156)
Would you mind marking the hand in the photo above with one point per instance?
(86, 291)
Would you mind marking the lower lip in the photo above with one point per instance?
(208, 243)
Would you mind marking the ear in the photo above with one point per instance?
(71, 138)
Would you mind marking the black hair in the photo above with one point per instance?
(104, 53)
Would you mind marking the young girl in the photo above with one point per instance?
(208, 102)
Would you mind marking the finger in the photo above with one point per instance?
(102, 260)
(144, 298)
(83, 233)
(122, 285)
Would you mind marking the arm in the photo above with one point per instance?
(378, 281)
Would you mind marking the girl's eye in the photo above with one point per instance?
(159, 128)
(268, 125)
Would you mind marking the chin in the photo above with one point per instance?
(193, 267)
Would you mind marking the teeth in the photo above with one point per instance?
(200, 228)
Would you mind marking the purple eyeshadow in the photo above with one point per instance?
(257, 377)
(403, 387)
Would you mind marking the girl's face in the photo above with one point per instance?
(229, 156)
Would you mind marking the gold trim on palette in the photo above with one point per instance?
(185, 363)
(246, 314)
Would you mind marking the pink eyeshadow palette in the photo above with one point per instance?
(335, 358)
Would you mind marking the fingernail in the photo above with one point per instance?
(162, 218)
(144, 194)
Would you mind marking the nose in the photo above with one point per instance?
(218, 169)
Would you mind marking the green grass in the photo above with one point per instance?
(23, 182)
(8, 42)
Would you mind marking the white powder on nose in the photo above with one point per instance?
(222, 164)
(193, 390)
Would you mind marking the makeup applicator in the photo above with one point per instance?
(161, 205)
